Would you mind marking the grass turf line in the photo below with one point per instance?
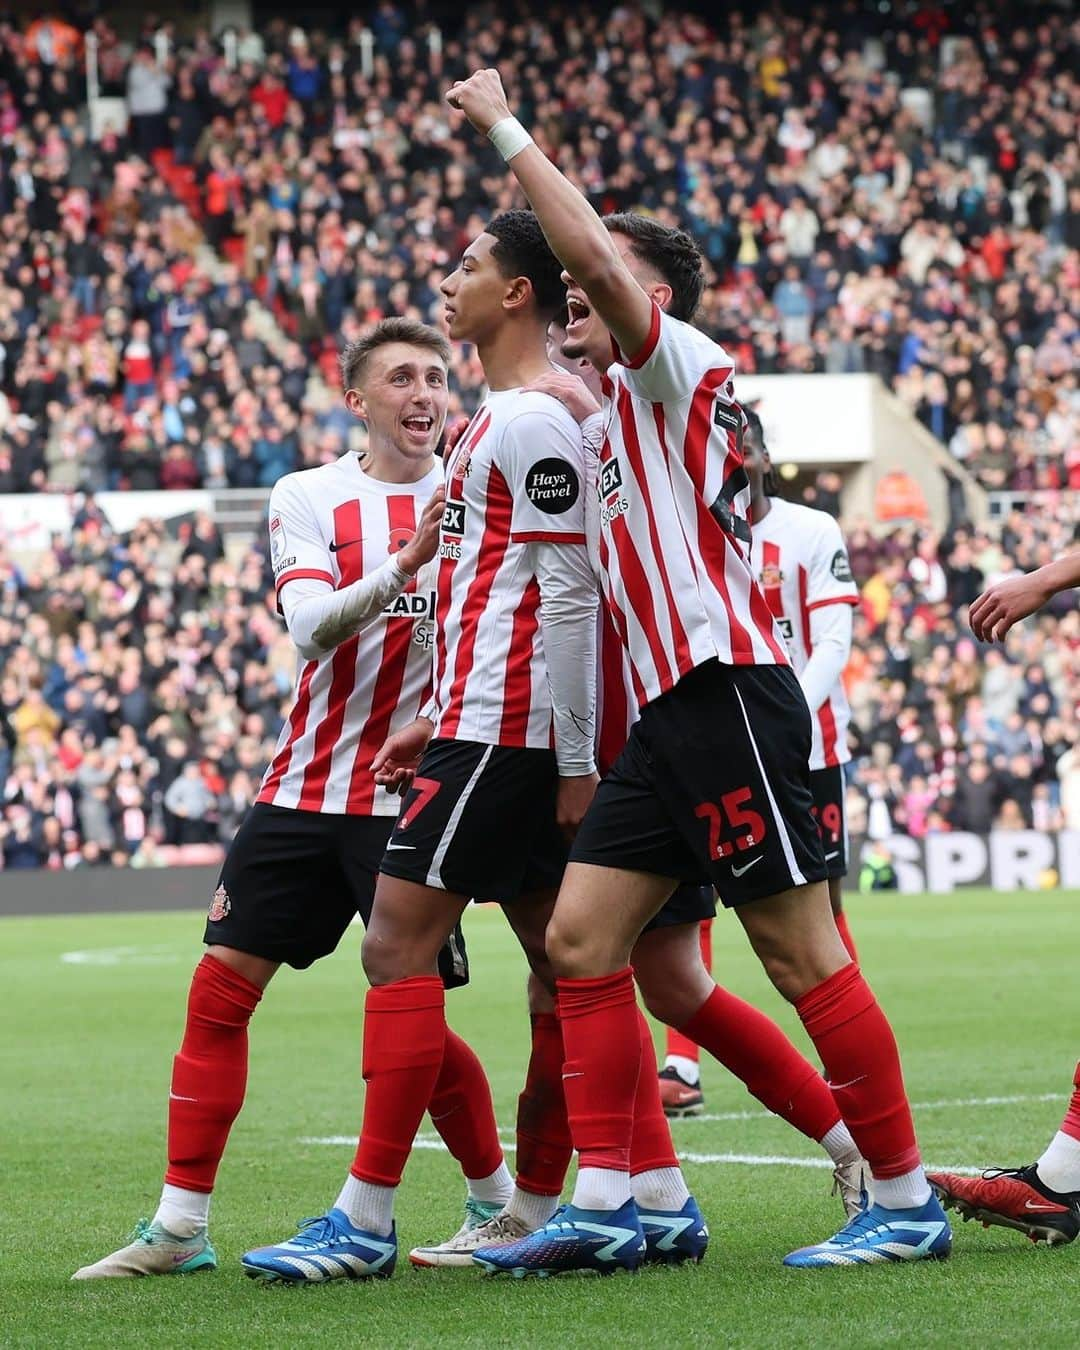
(980, 990)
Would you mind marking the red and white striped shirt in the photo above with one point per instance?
(800, 561)
(674, 541)
(337, 524)
(514, 479)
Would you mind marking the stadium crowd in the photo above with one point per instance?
(143, 681)
(172, 298)
(899, 195)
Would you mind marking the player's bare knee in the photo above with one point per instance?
(577, 954)
(385, 960)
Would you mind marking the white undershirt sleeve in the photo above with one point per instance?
(830, 637)
(320, 618)
(568, 601)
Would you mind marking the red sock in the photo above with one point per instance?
(650, 1144)
(209, 1073)
(462, 1112)
(845, 935)
(754, 1049)
(1071, 1124)
(862, 1063)
(600, 1071)
(677, 1043)
(404, 1035)
(544, 1146)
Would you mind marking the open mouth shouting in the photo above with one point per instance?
(578, 314)
(419, 427)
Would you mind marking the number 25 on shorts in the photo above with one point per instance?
(732, 827)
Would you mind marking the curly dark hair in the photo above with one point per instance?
(672, 254)
(522, 251)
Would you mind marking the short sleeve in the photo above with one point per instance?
(830, 581)
(297, 547)
(674, 361)
(542, 458)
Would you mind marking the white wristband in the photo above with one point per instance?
(509, 137)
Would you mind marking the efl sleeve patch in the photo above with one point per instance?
(277, 540)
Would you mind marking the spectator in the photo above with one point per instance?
(189, 805)
(148, 100)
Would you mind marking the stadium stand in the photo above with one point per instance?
(901, 199)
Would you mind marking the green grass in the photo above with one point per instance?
(980, 987)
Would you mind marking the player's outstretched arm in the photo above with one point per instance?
(573, 229)
(1007, 602)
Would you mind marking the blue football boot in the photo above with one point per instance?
(877, 1234)
(574, 1239)
(674, 1236)
(325, 1248)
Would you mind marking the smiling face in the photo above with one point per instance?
(586, 333)
(402, 395)
(476, 293)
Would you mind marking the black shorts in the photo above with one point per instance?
(479, 821)
(686, 904)
(713, 787)
(828, 789)
(293, 881)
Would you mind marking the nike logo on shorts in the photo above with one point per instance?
(834, 854)
(390, 846)
(738, 871)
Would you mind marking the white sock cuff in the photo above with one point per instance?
(495, 1189)
(368, 1206)
(533, 1210)
(911, 1191)
(1059, 1166)
(660, 1188)
(601, 1188)
(838, 1143)
(689, 1070)
(182, 1212)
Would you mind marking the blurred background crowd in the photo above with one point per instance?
(873, 193)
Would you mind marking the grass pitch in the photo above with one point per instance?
(981, 989)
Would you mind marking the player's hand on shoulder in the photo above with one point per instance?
(397, 759)
(454, 432)
(570, 390)
(1006, 603)
(424, 544)
(572, 800)
(481, 98)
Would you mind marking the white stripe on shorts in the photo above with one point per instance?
(434, 877)
(797, 878)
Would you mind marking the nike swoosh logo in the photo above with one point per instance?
(835, 1087)
(573, 1075)
(175, 1097)
(390, 846)
(335, 547)
(1047, 1209)
(834, 854)
(738, 871)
